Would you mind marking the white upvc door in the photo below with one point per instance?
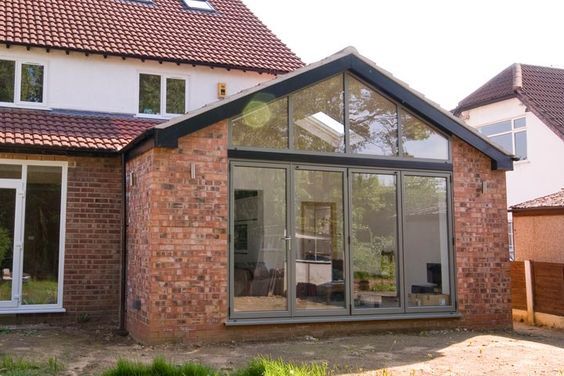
(11, 241)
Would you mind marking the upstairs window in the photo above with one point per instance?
(510, 135)
(339, 115)
(161, 95)
(21, 82)
(199, 5)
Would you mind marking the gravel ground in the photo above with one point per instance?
(525, 351)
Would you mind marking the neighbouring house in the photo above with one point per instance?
(522, 110)
(538, 227)
(78, 81)
(330, 199)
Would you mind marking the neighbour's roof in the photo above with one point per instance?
(165, 30)
(552, 201)
(541, 89)
(38, 129)
(167, 134)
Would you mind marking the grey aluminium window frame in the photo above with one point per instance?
(347, 314)
(347, 153)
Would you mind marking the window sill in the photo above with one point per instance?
(17, 311)
(312, 320)
(163, 117)
(25, 105)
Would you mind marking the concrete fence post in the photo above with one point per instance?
(529, 292)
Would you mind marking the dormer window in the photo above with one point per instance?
(199, 5)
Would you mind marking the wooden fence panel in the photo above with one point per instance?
(518, 291)
(548, 287)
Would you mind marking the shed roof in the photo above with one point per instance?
(551, 201)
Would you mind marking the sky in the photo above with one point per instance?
(443, 49)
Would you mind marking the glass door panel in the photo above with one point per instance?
(319, 239)
(41, 241)
(9, 241)
(259, 239)
(374, 251)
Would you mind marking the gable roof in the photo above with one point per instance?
(167, 134)
(56, 131)
(552, 201)
(541, 89)
(163, 30)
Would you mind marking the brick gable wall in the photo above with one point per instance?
(182, 273)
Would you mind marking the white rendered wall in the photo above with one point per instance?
(92, 83)
(542, 173)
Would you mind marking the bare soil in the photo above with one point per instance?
(89, 349)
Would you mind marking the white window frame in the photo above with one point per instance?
(19, 61)
(513, 131)
(164, 77)
(41, 308)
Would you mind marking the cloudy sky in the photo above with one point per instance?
(444, 49)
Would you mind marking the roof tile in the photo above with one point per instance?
(89, 132)
(554, 200)
(231, 36)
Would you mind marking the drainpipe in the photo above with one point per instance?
(122, 331)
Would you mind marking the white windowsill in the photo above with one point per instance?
(25, 105)
(14, 311)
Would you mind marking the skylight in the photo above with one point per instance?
(199, 5)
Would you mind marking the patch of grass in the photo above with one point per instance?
(278, 367)
(20, 367)
(159, 367)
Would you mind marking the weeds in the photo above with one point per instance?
(20, 367)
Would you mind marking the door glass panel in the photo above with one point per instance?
(318, 117)
(319, 229)
(7, 220)
(419, 140)
(41, 235)
(259, 229)
(373, 121)
(426, 241)
(374, 241)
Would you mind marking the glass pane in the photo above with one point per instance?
(175, 96)
(504, 126)
(149, 94)
(199, 4)
(520, 123)
(426, 241)
(373, 121)
(7, 79)
(318, 117)
(320, 277)
(7, 220)
(262, 125)
(32, 83)
(521, 145)
(504, 141)
(374, 241)
(41, 237)
(10, 171)
(420, 140)
(260, 273)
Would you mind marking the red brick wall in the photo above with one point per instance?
(481, 240)
(93, 235)
(178, 261)
(178, 249)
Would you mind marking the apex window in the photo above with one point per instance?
(162, 95)
(22, 82)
